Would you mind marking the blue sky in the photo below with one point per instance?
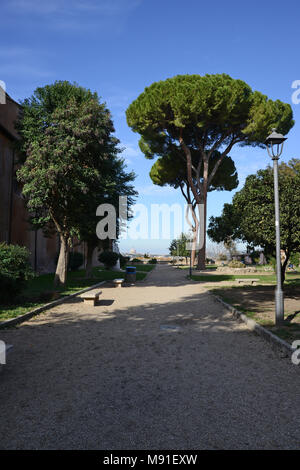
(118, 47)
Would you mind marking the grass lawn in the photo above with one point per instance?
(143, 267)
(213, 267)
(231, 277)
(291, 279)
(40, 290)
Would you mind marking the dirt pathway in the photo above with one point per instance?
(157, 366)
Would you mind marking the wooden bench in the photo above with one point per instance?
(91, 297)
(247, 281)
(118, 282)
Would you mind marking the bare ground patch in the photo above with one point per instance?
(258, 303)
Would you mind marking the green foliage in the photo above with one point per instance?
(191, 124)
(71, 162)
(272, 262)
(171, 170)
(108, 258)
(178, 246)
(224, 228)
(15, 271)
(123, 261)
(222, 257)
(295, 259)
(152, 261)
(64, 138)
(213, 105)
(113, 181)
(38, 111)
(236, 264)
(250, 218)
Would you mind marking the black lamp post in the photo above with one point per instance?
(274, 144)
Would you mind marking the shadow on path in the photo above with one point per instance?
(160, 368)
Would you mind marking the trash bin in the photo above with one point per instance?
(130, 275)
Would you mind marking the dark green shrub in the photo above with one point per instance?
(123, 261)
(15, 271)
(152, 261)
(136, 260)
(295, 259)
(272, 262)
(236, 264)
(254, 256)
(108, 258)
(75, 261)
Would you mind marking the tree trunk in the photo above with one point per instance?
(193, 255)
(89, 260)
(62, 264)
(202, 250)
(200, 199)
(195, 236)
(202, 216)
(194, 229)
(283, 267)
(194, 244)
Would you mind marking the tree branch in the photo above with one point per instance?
(189, 167)
(218, 163)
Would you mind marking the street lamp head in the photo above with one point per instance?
(275, 139)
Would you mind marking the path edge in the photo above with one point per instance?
(276, 342)
(147, 275)
(38, 310)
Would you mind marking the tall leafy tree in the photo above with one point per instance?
(193, 115)
(250, 218)
(178, 246)
(171, 170)
(66, 136)
(113, 181)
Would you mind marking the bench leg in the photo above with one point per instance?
(90, 302)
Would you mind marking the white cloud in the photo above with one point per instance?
(75, 14)
(103, 7)
(130, 151)
(119, 101)
(24, 70)
(34, 6)
(18, 61)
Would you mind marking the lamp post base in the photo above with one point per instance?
(279, 307)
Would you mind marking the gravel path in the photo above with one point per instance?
(157, 366)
